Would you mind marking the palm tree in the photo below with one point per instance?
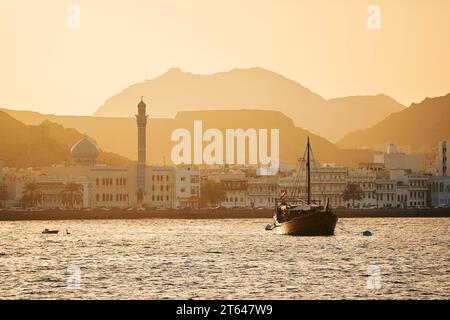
(31, 194)
(352, 192)
(72, 194)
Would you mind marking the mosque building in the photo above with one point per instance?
(106, 186)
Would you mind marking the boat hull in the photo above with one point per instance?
(311, 224)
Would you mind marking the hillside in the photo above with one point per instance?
(119, 135)
(419, 127)
(41, 145)
(253, 88)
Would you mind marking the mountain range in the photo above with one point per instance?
(419, 128)
(254, 88)
(45, 144)
(119, 135)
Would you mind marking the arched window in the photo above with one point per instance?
(97, 181)
(441, 187)
(97, 196)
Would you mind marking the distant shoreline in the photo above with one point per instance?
(98, 214)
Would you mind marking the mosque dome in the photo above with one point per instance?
(84, 152)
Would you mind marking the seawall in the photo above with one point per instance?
(98, 214)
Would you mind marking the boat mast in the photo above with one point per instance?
(308, 174)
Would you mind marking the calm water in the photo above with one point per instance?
(230, 259)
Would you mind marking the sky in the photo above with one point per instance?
(325, 45)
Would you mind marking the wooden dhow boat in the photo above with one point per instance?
(297, 216)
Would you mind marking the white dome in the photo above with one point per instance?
(84, 152)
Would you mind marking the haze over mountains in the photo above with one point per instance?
(41, 145)
(254, 88)
(249, 98)
(119, 135)
(419, 127)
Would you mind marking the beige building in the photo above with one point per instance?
(162, 186)
(365, 179)
(399, 188)
(262, 191)
(187, 187)
(327, 182)
(393, 159)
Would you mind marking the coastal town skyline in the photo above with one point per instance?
(244, 152)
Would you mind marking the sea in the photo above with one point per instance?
(405, 258)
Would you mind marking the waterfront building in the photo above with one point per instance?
(235, 192)
(440, 191)
(401, 189)
(386, 193)
(111, 187)
(393, 159)
(327, 182)
(234, 184)
(366, 180)
(187, 187)
(262, 191)
(51, 191)
(162, 186)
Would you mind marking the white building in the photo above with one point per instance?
(162, 186)
(187, 187)
(366, 180)
(235, 192)
(440, 191)
(262, 191)
(386, 193)
(393, 159)
(327, 182)
(400, 189)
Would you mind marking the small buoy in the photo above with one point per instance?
(367, 233)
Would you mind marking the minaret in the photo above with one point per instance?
(141, 118)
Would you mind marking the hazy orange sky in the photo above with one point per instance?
(323, 44)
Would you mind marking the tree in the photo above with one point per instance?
(352, 192)
(31, 194)
(211, 193)
(72, 194)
